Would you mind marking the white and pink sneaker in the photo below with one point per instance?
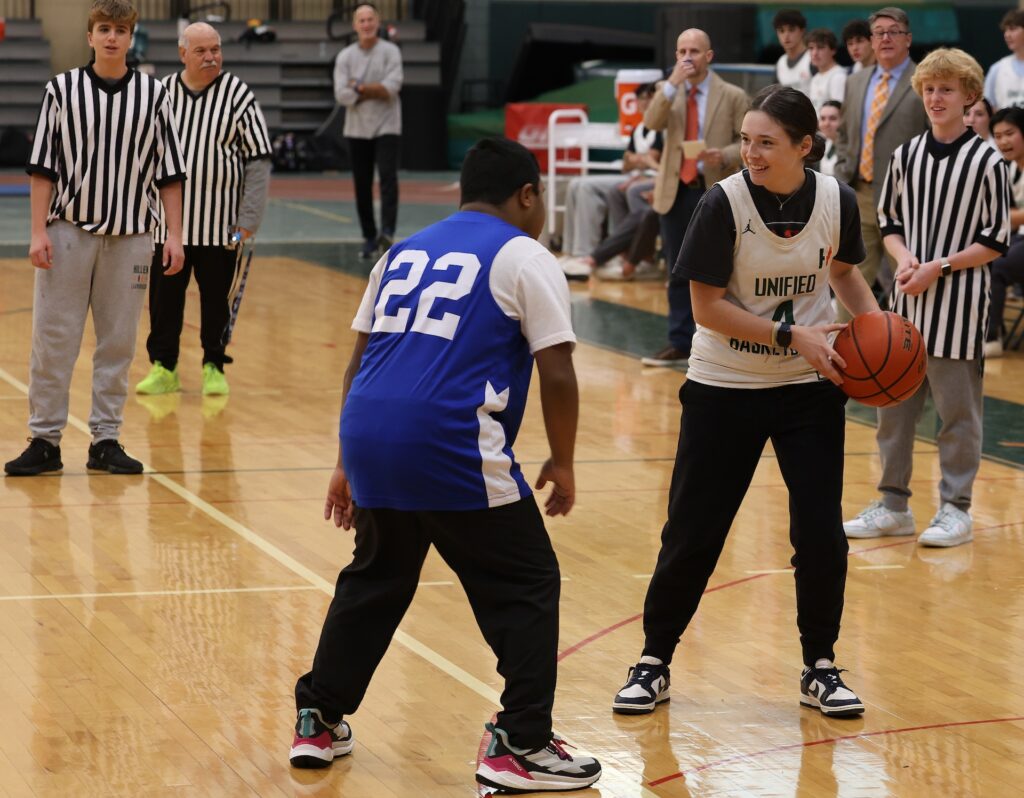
(549, 768)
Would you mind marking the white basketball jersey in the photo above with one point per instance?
(1009, 89)
(785, 279)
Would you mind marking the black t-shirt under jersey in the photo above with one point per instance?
(706, 254)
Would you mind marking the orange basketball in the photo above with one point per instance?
(885, 358)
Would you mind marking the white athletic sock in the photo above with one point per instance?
(645, 660)
(824, 663)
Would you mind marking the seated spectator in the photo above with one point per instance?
(1004, 84)
(592, 200)
(829, 83)
(1008, 134)
(979, 119)
(857, 38)
(829, 118)
(630, 253)
(794, 66)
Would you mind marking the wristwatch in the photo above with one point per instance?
(784, 337)
(946, 268)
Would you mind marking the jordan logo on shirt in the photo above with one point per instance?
(748, 229)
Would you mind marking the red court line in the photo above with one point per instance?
(828, 741)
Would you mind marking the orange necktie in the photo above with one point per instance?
(867, 153)
(688, 170)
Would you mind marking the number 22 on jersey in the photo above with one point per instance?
(401, 287)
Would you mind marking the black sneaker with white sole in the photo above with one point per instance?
(646, 686)
(549, 768)
(823, 689)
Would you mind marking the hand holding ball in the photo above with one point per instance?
(885, 358)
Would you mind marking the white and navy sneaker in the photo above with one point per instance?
(318, 743)
(823, 689)
(876, 521)
(547, 769)
(646, 686)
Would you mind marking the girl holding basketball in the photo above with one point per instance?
(761, 253)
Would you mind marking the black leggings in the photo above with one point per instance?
(504, 560)
(721, 437)
(214, 268)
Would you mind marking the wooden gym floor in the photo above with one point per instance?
(152, 627)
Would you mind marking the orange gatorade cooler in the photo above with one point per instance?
(626, 83)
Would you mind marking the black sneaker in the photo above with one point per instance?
(547, 769)
(369, 249)
(823, 689)
(646, 686)
(384, 241)
(40, 456)
(110, 456)
(316, 743)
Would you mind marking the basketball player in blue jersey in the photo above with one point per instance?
(449, 328)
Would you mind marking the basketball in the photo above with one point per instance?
(885, 358)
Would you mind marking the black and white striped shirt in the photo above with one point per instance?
(221, 128)
(942, 198)
(107, 148)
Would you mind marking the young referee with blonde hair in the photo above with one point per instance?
(105, 146)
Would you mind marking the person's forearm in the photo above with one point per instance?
(559, 398)
(40, 195)
(255, 188)
(896, 245)
(374, 91)
(722, 316)
(975, 255)
(1016, 218)
(852, 289)
(170, 198)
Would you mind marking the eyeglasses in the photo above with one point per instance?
(887, 34)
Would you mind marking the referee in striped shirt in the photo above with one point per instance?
(105, 145)
(945, 215)
(227, 151)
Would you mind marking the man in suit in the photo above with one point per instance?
(880, 112)
(693, 104)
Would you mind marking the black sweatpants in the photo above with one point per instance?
(504, 560)
(381, 152)
(722, 434)
(214, 268)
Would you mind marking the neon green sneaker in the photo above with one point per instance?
(214, 381)
(159, 380)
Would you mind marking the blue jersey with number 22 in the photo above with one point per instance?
(435, 407)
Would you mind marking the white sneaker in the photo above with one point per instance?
(876, 521)
(993, 349)
(951, 526)
(645, 271)
(612, 271)
(575, 267)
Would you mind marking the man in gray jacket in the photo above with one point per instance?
(880, 112)
(367, 79)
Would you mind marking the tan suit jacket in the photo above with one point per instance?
(727, 104)
(903, 118)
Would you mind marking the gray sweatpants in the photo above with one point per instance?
(109, 274)
(956, 390)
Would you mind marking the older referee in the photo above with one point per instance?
(227, 151)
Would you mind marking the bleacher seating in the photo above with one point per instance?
(292, 77)
(25, 68)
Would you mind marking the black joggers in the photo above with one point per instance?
(504, 560)
(722, 434)
(365, 154)
(214, 268)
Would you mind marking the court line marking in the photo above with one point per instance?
(609, 775)
(146, 593)
(334, 217)
(811, 743)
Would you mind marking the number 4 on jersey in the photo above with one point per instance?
(401, 287)
(784, 312)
